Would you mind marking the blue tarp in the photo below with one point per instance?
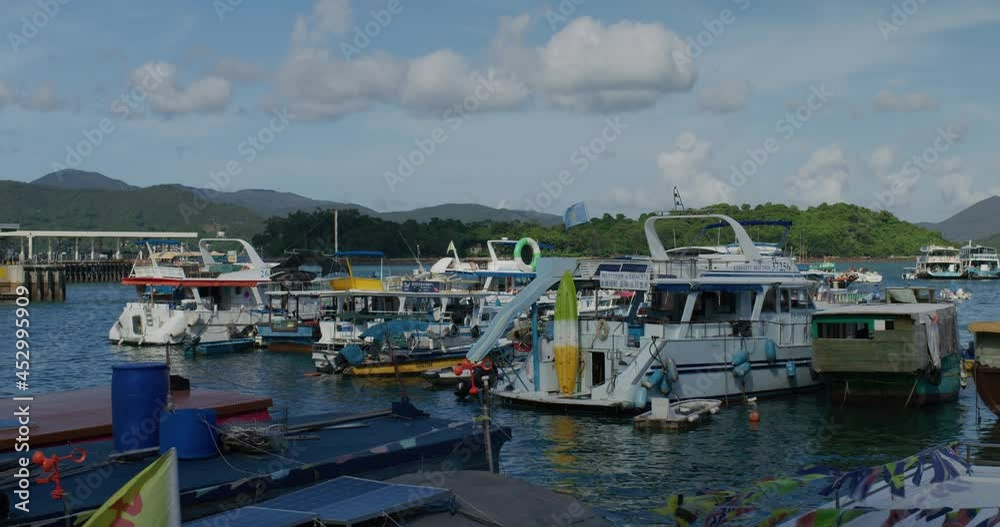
(373, 254)
(394, 327)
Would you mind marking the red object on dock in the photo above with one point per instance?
(82, 415)
(51, 464)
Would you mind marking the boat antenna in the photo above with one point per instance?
(678, 202)
(415, 257)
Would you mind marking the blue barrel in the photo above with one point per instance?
(191, 432)
(138, 396)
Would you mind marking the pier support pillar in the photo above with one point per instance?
(76, 250)
(91, 248)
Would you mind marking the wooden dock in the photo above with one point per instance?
(80, 415)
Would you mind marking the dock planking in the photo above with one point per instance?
(80, 415)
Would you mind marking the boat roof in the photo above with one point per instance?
(883, 309)
(330, 293)
(985, 327)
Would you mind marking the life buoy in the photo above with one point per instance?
(536, 253)
(602, 329)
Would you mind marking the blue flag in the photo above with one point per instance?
(575, 215)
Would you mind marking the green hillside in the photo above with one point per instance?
(161, 208)
(826, 230)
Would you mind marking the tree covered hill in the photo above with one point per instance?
(825, 230)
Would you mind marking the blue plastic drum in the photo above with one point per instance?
(191, 432)
(138, 396)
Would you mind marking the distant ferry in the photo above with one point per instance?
(980, 262)
(939, 261)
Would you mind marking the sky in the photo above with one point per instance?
(398, 104)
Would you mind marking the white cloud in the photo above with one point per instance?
(165, 95)
(687, 167)
(317, 85)
(43, 98)
(883, 166)
(888, 101)
(626, 65)
(441, 79)
(956, 187)
(725, 97)
(329, 17)
(236, 70)
(822, 179)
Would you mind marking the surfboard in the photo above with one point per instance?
(566, 333)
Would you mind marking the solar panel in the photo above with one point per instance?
(342, 501)
(390, 499)
(255, 517)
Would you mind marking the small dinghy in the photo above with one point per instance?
(677, 415)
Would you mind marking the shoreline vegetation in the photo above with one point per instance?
(838, 232)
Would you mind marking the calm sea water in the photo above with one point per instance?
(623, 472)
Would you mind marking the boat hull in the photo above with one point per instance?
(223, 347)
(988, 386)
(912, 388)
(405, 366)
(978, 274)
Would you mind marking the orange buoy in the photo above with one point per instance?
(754, 416)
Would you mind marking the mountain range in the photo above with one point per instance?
(76, 199)
(980, 222)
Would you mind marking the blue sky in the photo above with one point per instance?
(602, 102)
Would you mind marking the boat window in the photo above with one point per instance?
(136, 325)
(769, 304)
(666, 306)
(800, 299)
(724, 302)
(843, 330)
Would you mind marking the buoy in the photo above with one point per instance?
(770, 351)
(653, 378)
(312, 374)
(754, 416)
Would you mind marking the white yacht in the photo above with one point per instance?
(937, 261)
(204, 299)
(980, 262)
(717, 324)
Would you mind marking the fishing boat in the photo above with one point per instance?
(438, 327)
(725, 325)
(939, 262)
(986, 368)
(980, 262)
(903, 349)
(205, 299)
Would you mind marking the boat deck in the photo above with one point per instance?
(321, 447)
(80, 415)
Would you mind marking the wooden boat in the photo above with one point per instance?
(986, 369)
(220, 347)
(895, 350)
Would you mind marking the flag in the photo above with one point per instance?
(150, 499)
(575, 215)
(451, 248)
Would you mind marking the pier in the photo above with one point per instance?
(46, 274)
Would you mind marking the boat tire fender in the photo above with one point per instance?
(453, 330)
(933, 375)
(475, 332)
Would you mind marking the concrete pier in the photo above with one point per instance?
(45, 283)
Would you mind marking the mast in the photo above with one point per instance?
(335, 241)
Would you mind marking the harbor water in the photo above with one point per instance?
(623, 472)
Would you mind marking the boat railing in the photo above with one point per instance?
(784, 333)
(159, 271)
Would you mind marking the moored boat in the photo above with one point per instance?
(986, 368)
(980, 262)
(205, 299)
(717, 324)
(939, 262)
(903, 349)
